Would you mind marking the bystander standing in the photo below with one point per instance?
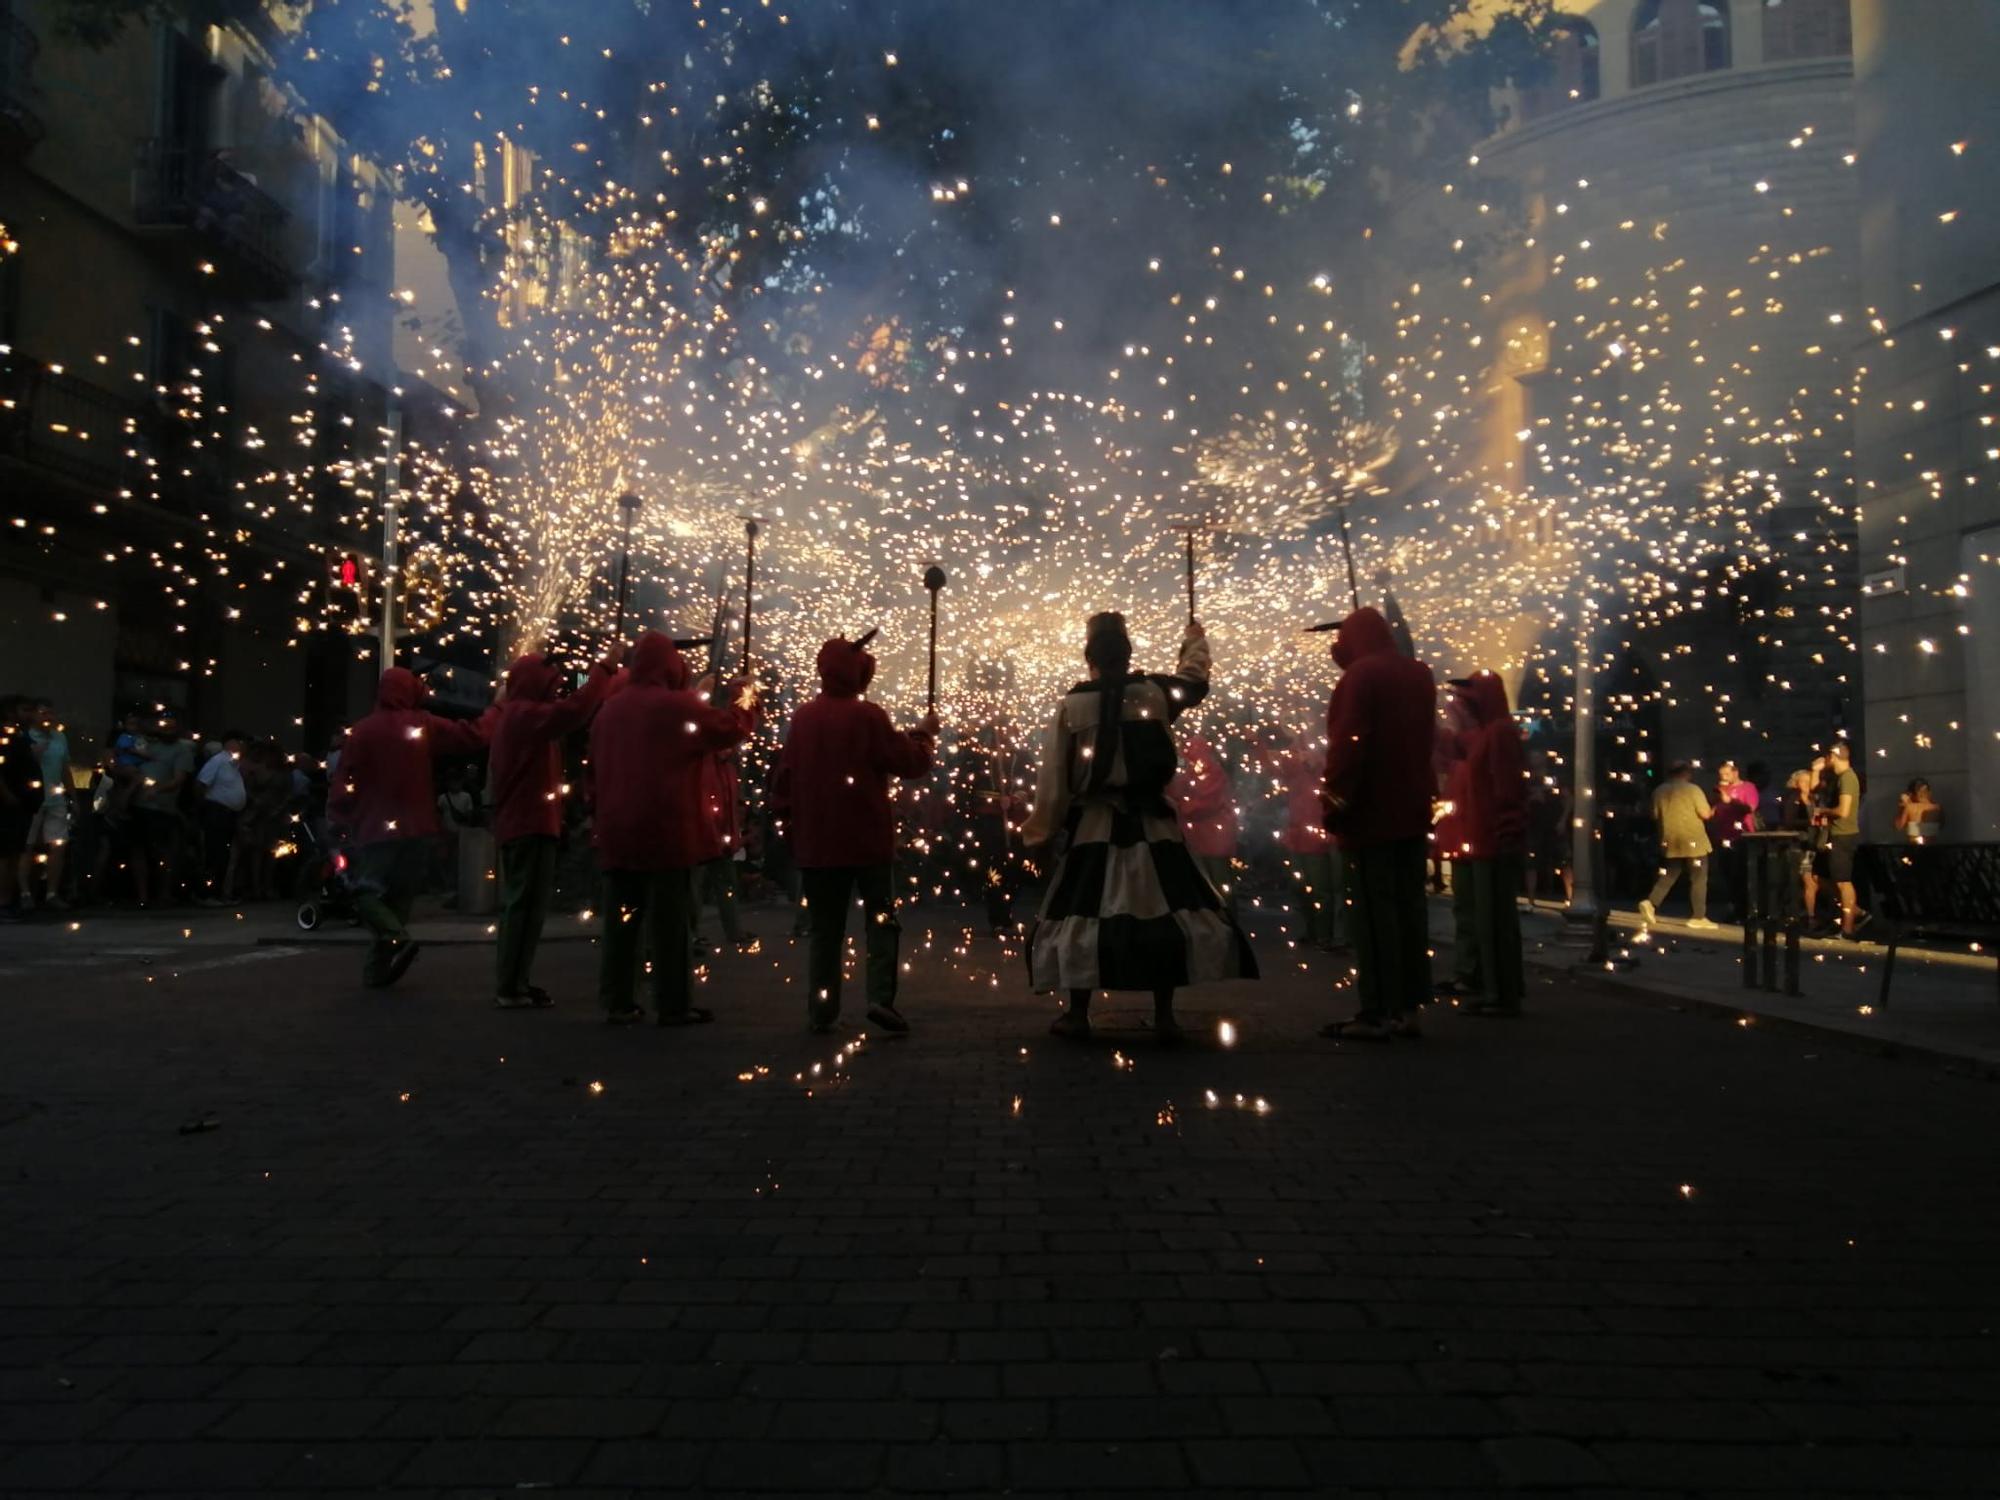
(1681, 814)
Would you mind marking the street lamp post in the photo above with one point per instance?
(392, 502)
(1583, 767)
(628, 503)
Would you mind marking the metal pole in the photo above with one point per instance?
(1583, 766)
(1190, 575)
(629, 504)
(749, 585)
(1347, 549)
(392, 501)
(934, 580)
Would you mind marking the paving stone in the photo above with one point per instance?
(1371, 1291)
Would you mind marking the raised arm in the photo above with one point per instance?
(457, 736)
(898, 752)
(1189, 683)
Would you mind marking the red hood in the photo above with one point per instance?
(1485, 697)
(1363, 633)
(845, 669)
(657, 660)
(400, 688)
(532, 677)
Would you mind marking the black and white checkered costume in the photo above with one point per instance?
(1127, 907)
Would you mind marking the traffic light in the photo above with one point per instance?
(347, 588)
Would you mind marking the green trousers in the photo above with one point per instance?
(1465, 970)
(387, 876)
(1318, 895)
(1496, 926)
(829, 893)
(1391, 931)
(527, 886)
(715, 882)
(646, 917)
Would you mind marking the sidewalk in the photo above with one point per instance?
(1941, 1004)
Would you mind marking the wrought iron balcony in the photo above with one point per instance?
(21, 124)
(242, 226)
(67, 426)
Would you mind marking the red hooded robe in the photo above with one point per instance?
(1201, 793)
(527, 751)
(1304, 774)
(1493, 780)
(1379, 729)
(649, 745)
(831, 785)
(382, 788)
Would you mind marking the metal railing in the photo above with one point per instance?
(70, 427)
(181, 186)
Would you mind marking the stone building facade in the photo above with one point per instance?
(1928, 428)
(180, 242)
(1694, 159)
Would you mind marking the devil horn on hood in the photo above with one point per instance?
(861, 641)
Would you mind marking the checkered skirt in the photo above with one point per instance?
(1129, 909)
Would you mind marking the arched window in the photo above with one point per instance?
(1573, 69)
(1678, 39)
(1807, 28)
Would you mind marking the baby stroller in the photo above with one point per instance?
(324, 891)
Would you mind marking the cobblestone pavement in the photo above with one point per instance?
(267, 1232)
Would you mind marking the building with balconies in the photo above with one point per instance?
(182, 239)
(1683, 164)
(1928, 424)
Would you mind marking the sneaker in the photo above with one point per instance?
(1447, 989)
(540, 998)
(1167, 1031)
(822, 1022)
(631, 1016)
(1702, 924)
(400, 960)
(889, 1019)
(1492, 1012)
(55, 903)
(1646, 913)
(1408, 1028)
(511, 1002)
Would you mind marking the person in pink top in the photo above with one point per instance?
(1735, 815)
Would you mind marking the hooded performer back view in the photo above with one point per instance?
(830, 792)
(648, 749)
(1379, 791)
(385, 798)
(526, 780)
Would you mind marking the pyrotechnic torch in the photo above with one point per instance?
(750, 529)
(629, 504)
(934, 580)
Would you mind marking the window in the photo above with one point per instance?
(1678, 39)
(1572, 76)
(1807, 28)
